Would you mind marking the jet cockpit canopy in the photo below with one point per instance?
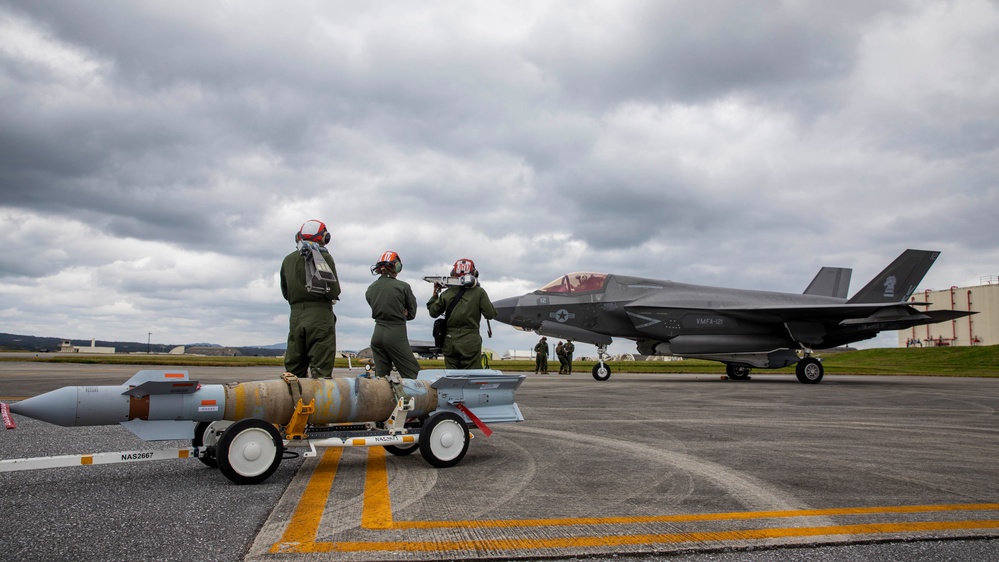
(578, 282)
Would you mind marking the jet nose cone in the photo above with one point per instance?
(505, 308)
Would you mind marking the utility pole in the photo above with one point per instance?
(149, 344)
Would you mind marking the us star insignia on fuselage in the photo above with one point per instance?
(743, 329)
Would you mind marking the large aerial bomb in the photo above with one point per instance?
(243, 428)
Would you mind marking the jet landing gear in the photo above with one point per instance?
(601, 371)
(737, 372)
(809, 370)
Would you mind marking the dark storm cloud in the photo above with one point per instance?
(179, 146)
(691, 52)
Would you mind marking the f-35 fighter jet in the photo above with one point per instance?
(741, 328)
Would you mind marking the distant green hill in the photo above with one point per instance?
(41, 344)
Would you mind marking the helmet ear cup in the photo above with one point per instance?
(326, 237)
(398, 265)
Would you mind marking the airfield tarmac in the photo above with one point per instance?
(651, 466)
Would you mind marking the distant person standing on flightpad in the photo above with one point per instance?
(310, 285)
(541, 356)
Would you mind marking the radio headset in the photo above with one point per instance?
(318, 274)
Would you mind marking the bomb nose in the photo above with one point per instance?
(56, 407)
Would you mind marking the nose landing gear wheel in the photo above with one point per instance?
(809, 370)
(444, 440)
(601, 372)
(249, 451)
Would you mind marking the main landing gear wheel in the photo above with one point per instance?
(601, 371)
(249, 451)
(737, 372)
(402, 450)
(809, 370)
(444, 440)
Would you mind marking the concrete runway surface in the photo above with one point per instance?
(684, 467)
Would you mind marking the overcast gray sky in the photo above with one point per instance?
(157, 158)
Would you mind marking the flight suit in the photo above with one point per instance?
(392, 304)
(312, 325)
(568, 349)
(541, 357)
(561, 358)
(463, 343)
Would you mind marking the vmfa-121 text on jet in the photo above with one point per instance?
(741, 328)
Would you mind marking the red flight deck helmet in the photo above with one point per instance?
(390, 261)
(314, 231)
(464, 266)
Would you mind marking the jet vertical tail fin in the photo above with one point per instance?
(898, 281)
(831, 282)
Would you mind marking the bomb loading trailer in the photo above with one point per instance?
(245, 429)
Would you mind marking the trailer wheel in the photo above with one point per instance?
(444, 440)
(249, 451)
(199, 441)
(402, 450)
(601, 372)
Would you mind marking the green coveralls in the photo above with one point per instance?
(568, 349)
(312, 326)
(541, 357)
(392, 303)
(463, 343)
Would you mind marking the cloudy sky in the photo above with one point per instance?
(157, 158)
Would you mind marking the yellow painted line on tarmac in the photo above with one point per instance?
(377, 512)
(648, 539)
(687, 518)
(304, 523)
(301, 532)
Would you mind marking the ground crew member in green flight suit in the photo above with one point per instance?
(392, 304)
(541, 356)
(312, 325)
(568, 349)
(561, 358)
(463, 344)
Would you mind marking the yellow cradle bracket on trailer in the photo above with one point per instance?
(295, 430)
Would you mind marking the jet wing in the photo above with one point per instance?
(858, 315)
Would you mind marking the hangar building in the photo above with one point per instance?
(977, 329)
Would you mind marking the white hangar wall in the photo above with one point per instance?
(977, 329)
